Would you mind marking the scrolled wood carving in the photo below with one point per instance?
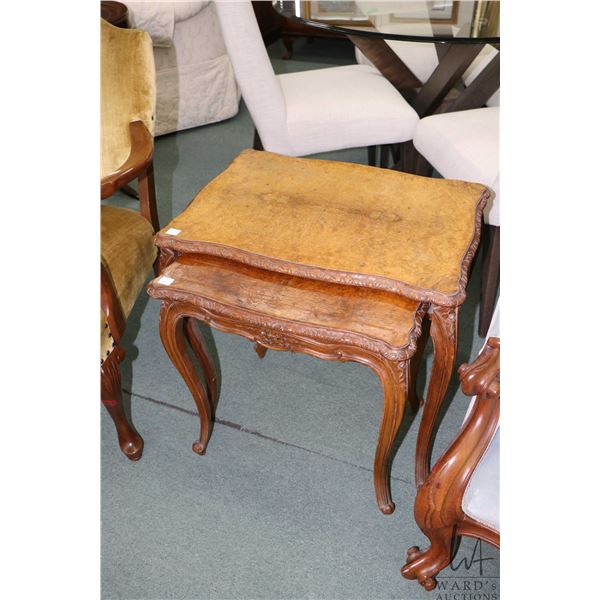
(438, 506)
(284, 332)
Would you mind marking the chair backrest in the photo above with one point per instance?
(128, 90)
(261, 91)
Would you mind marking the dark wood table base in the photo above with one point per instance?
(278, 312)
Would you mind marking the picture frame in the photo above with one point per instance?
(442, 12)
(335, 13)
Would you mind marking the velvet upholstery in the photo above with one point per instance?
(128, 90)
(128, 252)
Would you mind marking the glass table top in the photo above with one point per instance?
(440, 21)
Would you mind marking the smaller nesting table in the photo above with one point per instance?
(282, 312)
(337, 260)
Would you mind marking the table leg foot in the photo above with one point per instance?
(173, 330)
(199, 448)
(394, 379)
(444, 333)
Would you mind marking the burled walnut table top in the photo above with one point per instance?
(337, 222)
(375, 320)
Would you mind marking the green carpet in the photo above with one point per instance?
(282, 504)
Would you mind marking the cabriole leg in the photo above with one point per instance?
(173, 336)
(130, 441)
(394, 380)
(444, 329)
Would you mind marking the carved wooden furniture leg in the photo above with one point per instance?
(130, 440)
(394, 379)
(282, 312)
(425, 564)
(439, 503)
(196, 341)
(444, 330)
(172, 322)
(324, 295)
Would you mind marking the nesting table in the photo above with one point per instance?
(336, 260)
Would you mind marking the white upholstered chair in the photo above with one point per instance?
(465, 145)
(461, 495)
(312, 111)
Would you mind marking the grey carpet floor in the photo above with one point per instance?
(282, 504)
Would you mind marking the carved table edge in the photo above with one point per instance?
(272, 331)
(378, 282)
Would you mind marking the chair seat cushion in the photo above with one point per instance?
(464, 145)
(350, 106)
(127, 250)
(481, 499)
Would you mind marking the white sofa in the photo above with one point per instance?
(195, 84)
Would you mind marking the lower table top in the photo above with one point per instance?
(377, 320)
(337, 222)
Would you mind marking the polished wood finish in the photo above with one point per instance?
(130, 441)
(480, 90)
(444, 333)
(350, 225)
(115, 13)
(452, 65)
(138, 161)
(438, 506)
(284, 312)
(434, 95)
(269, 21)
(490, 277)
(139, 164)
(338, 222)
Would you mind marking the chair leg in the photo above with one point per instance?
(384, 156)
(489, 278)
(372, 156)
(424, 565)
(129, 191)
(257, 143)
(130, 440)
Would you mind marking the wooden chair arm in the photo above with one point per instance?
(439, 499)
(140, 157)
(110, 305)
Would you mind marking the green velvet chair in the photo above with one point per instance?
(128, 93)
